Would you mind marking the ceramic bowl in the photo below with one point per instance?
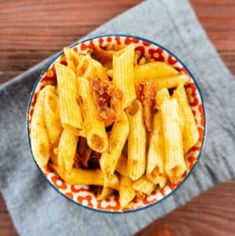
(83, 195)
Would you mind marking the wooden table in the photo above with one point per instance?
(31, 30)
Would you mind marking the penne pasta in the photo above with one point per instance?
(121, 167)
(67, 150)
(105, 192)
(52, 115)
(156, 156)
(189, 129)
(94, 128)
(70, 112)
(110, 121)
(90, 71)
(39, 138)
(117, 139)
(72, 58)
(127, 193)
(100, 71)
(144, 185)
(136, 142)
(175, 165)
(123, 74)
(162, 96)
(90, 68)
(86, 177)
(170, 81)
(153, 70)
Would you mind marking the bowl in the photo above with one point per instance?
(83, 195)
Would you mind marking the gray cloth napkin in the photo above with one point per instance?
(37, 209)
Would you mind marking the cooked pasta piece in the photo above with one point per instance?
(169, 82)
(72, 58)
(102, 55)
(175, 165)
(144, 185)
(105, 192)
(70, 112)
(86, 177)
(100, 71)
(190, 130)
(121, 167)
(127, 193)
(39, 139)
(90, 71)
(83, 64)
(67, 150)
(152, 70)
(52, 115)
(94, 128)
(156, 156)
(117, 139)
(162, 96)
(136, 162)
(123, 74)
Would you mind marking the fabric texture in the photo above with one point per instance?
(37, 209)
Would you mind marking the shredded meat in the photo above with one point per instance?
(108, 99)
(146, 93)
(102, 55)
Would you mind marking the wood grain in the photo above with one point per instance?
(31, 30)
(212, 213)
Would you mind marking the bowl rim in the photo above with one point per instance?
(54, 58)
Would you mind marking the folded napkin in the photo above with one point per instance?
(37, 209)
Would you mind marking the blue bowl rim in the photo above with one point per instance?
(54, 58)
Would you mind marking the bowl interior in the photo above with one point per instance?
(83, 195)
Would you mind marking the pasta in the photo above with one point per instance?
(153, 70)
(169, 82)
(143, 185)
(136, 162)
(38, 133)
(175, 165)
(190, 130)
(86, 177)
(121, 167)
(72, 58)
(52, 115)
(127, 193)
(162, 96)
(123, 74)
(67, 150)
(105, 192)
(117, 139)
(114, 121)
(94, 128)
(70, 112)
(100, 71)
(156, 153)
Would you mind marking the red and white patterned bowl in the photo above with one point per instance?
(83, 195)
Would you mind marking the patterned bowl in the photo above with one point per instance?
(83, 195)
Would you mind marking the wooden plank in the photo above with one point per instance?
(31, 30)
